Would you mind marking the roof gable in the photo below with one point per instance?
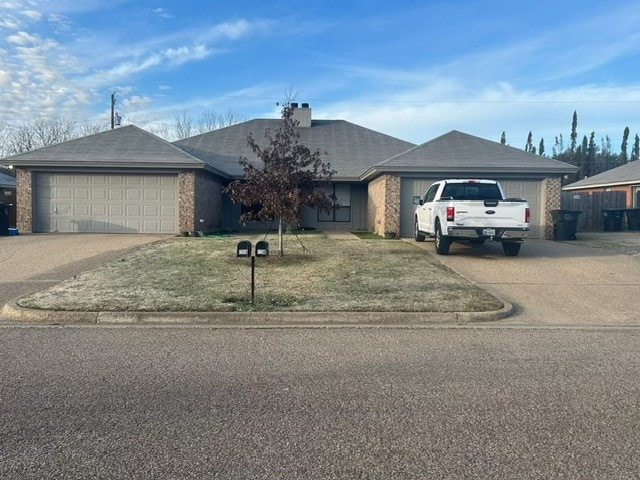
(349, 148)
(128, 146)
(458, 151)
(624, 174)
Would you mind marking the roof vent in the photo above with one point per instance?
(305, 105)
(294, 105)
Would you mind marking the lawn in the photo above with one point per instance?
(316, 274)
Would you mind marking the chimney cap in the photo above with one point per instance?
(304, 105)
(294, 105)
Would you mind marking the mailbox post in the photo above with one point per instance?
(243, 249)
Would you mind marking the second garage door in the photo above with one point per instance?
(529, 189)
(110, 203)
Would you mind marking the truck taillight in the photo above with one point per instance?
(451, 214)
(527, 215)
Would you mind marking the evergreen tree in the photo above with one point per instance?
(558, 147)
(503, 138)
(529, 145)
(541, 147)
(635, 151)
(574, 131)
(591, 156)
(623, 148)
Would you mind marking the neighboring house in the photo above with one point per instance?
(625, 178)
(128, 180)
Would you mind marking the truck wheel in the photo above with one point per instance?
(442, 242)
(416, 233)
(511, 249)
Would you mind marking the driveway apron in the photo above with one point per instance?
(554, 282)
(29, 263)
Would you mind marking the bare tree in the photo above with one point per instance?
(37, 134)
(212, 120)
(182, 125)
(291, 177)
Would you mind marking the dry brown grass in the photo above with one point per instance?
(203, 274)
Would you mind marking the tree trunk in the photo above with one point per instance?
(280, 240)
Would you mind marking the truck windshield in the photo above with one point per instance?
(472, 191)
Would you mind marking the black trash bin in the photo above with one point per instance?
(633, 218)
(5, 214)
(612, 220)
(565, 224)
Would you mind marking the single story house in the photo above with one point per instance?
(128, 180)
(625, 178)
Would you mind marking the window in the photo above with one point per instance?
(472, 191)
(431, 194)
(341, 210)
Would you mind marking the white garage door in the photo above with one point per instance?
(529, 189)
(408, 188)
(109, 203)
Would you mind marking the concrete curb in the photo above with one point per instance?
(12, 311)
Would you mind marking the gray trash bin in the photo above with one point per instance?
(565, 224)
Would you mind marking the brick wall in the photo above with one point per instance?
(383, 205)
(552, 189)
(24, 201)
(200, 198)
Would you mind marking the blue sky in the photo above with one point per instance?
(411, 69)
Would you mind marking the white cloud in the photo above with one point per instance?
(162, 12)
(23, 38)
(10, 22)
(61, 23)
(32, 14)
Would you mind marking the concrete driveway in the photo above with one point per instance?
(587, 282)
(29, 263)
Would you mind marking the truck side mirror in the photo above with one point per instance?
(262, 249)
(243, 249)
(417, 200)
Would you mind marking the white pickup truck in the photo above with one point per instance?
(473, 211)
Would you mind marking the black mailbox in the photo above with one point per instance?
(243, 249)
(262, 249)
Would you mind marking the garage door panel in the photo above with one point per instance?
(133, 194)
(82, 210)
(116, 210)
(106, 203)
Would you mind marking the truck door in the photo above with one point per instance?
(425, 212)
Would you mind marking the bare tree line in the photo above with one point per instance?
(43, 132)
(184, 125)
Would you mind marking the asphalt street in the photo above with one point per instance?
(196, 402)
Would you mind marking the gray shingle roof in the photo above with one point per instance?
(624, 174)
(128, 146)
(350, 149)
(7, 181)
(460, 152)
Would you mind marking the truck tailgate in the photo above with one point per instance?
(504, 215)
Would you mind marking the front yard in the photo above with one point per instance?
(316, 274)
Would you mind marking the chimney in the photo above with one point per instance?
(302, 114)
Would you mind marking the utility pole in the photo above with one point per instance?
(113, 104)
